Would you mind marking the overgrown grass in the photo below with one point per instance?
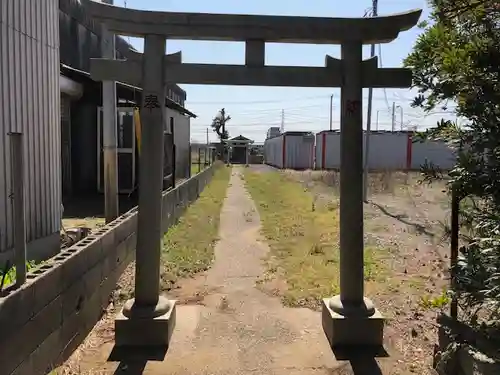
(303, 236)
(188, 246)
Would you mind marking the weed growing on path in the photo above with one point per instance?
(188, 246)
(303, 236)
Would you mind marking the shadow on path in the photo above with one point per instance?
(362, 360)
(133, 360)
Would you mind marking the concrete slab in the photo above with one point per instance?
(350, 331)
(145, 332)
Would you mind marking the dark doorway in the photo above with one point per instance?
(238, 155)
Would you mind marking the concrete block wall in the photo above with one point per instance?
(46, 319)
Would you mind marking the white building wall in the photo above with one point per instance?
(30, 104)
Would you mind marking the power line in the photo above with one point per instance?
(258, 101)
(252, 102)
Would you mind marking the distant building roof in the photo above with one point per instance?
(240, 138)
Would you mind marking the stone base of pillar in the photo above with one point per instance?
(352, 329)
(145, 327)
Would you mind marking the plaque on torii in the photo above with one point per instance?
(348, 319)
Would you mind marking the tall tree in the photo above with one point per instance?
(457, 59)
(219, 124)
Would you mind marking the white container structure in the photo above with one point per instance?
(328, 149)
(388, 151)
(291, 150)
(437, 153)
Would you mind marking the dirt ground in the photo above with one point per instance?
(408, 219)
(226, 325)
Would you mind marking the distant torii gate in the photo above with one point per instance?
(348, 319)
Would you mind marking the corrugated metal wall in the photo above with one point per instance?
(436, 152)
(29, 103)
(80, 39)
(327, 150)
(388, 150)
(298, 152)
(273, 151)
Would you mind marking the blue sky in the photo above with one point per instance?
(255, 109)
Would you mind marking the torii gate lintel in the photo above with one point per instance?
(244, 27)
(130, 72)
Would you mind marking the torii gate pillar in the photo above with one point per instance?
(149, 319)
(349, 318)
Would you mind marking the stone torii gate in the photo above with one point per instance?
(349, 318)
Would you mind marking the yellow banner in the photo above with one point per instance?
(137, 122)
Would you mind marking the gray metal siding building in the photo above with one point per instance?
(82, 169)
(30, 103)
(47, 94)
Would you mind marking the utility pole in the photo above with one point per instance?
(331, 112)
(368, 118)
(282, 121)
(393, 116)
(110, 164)
(207, 148)
(401, 108)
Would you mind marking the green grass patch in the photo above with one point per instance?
(303, 236)
(8, 277)
(188, 246)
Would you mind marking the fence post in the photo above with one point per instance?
(190, 161)
(174, 165)
(199, 159)
(17, 178)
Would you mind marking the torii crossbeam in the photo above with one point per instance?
(348, 319)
